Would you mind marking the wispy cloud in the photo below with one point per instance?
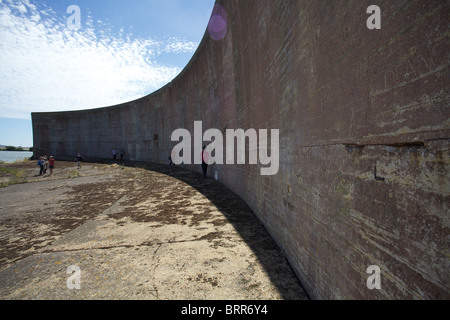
(177, 46)
(44, 66)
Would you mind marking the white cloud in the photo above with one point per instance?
(44, 66)
(177, 46)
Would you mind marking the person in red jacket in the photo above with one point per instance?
(51, 164)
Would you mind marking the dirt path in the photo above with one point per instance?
(148, 232)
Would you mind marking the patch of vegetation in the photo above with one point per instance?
(74, 174)
(16, 176)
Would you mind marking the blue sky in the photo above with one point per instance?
(122, 50)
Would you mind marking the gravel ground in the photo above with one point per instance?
(144, 231)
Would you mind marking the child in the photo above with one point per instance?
(45, 164)
(51, 164)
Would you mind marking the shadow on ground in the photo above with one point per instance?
(243, 220)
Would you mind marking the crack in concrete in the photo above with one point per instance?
(143, 244)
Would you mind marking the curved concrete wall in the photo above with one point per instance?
(364, 135)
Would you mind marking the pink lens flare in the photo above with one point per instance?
(217, 26)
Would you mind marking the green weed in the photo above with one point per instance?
(17, 176)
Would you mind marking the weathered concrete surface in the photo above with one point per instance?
(135, 233)
(364, 135)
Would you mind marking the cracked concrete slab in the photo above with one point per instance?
(147, 232)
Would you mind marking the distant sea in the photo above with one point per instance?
(13, 156)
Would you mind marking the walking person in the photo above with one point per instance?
(204, 164)
(45, 165)
(41, 165)
(51, 164)
(78, 159)
(122, 152)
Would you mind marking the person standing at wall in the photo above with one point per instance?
(51, 164)
(122, 152)
(114, 152)
(41, 165)
(204, 164)
(45, 165)
(78, 159)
